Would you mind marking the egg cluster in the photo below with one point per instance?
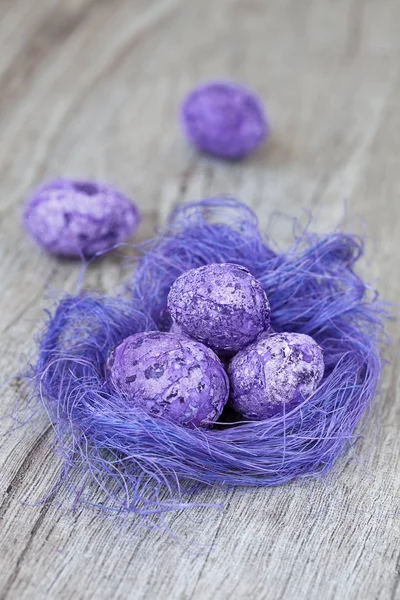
(220, 350)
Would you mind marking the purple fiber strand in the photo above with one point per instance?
(148, 465)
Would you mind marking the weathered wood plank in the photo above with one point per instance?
(92, 88)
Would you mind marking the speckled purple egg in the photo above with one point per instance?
(77, 218)
(169, 375)
(224, 119)
(275, 374)
(221, 305)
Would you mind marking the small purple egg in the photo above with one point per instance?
(275, 374)
(169, 375)
(75, 218)
(224, 119)
(222, 305)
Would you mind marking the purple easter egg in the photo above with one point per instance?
(222, 305)
(169, 375)
(275, 374)
(76, 218)
(224, 119)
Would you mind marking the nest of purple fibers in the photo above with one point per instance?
(145, 464)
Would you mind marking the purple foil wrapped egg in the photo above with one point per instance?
(169, 375)
(75, 218)
(221, 305)
(224, 119)
(275, 374)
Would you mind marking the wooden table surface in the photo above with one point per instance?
(91, 88)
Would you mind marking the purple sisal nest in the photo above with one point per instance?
(146, 465)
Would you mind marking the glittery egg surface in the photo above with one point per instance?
(222, 305)
(224, 119)
(275, 374)
(75, 218)
(169, 375)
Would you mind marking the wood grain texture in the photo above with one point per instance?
(91, 88)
